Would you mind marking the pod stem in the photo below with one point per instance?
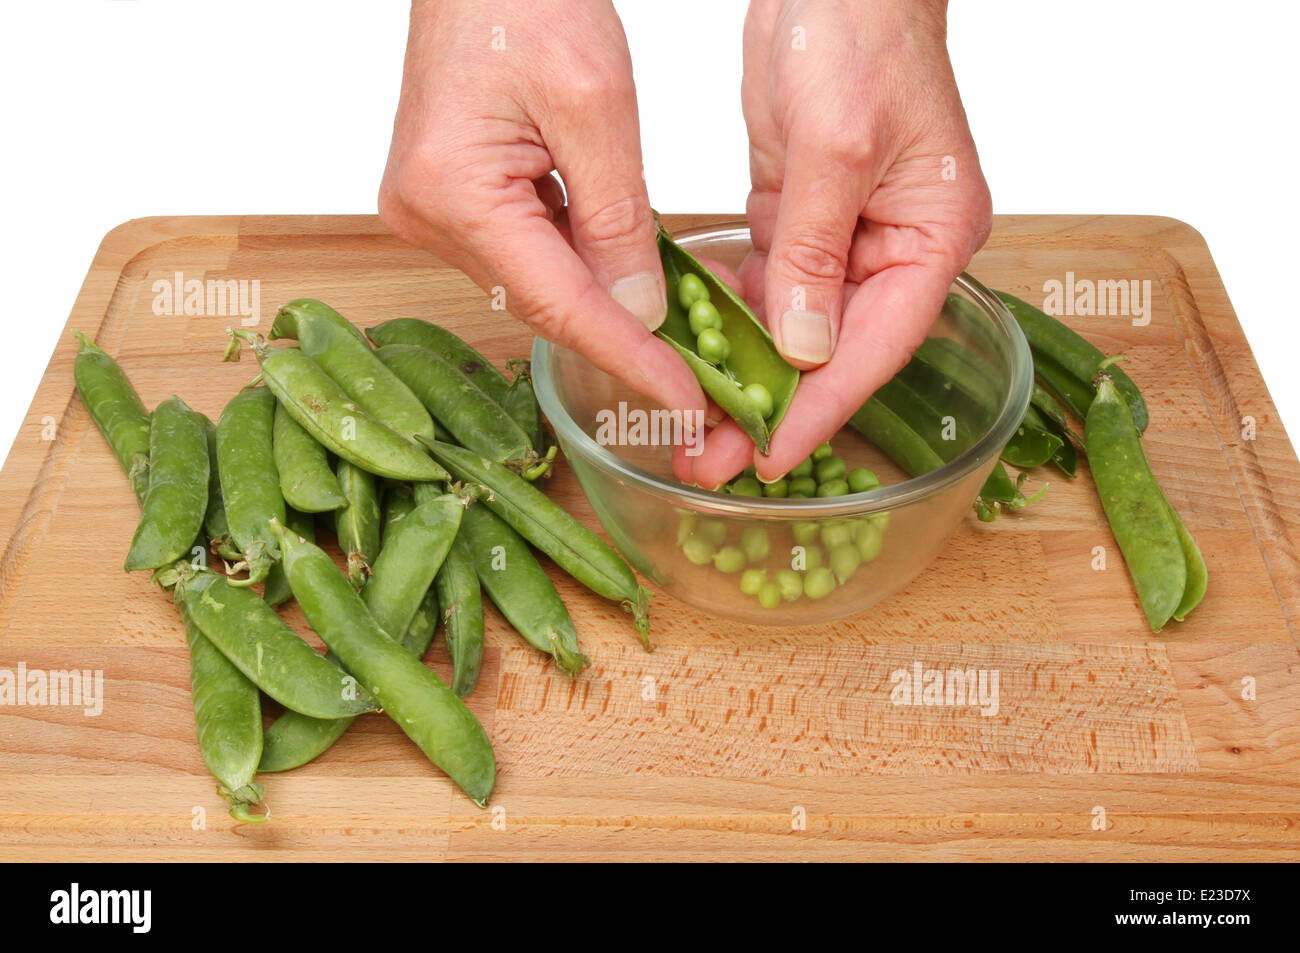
(250, 795)
(521, 369)
(640, 609)
(533, 466)
(570, 660)
(238, 335)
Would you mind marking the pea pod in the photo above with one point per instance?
(215, 524)
(473, 419)
(250, 484)
(343, 353)
(177, 498)
(321, 408)
(1198, 576)
(277, 590)
(269, 653)
(295, 739)
(116, 409)
(520, 588)
(531, 513)
(306, 481)
(515, 397)
(461, 600)
(752, 358)
(228, 718)
(1074, 354)
(947, 437)
(1033, 444)
(895, 438)
(1075, 394)
(357, 525)
(969, 373)
(1140, 517)
(413, 551)
(415, 698)
(1065, 457)
(423, 626)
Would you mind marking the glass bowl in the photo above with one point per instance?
(673, 533)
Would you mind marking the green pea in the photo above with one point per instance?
(729, 559)
(761, 397)
(690, 290)
(838, 487)
(715, 531)
(879, 520)
(832, 468)
(704, 315)
(805, 534)
(769, 597)
(685, 526)
(755, 543)
(698, 550)
(778, 490)
(753, 580)
(803, 486)
(822, 452)
(869, 541)
(836, 534)
(750, 470)
(803, 469)
(819, 583)
(861, 480)
(790, 583)
(812, 557)
(845, 560)
(747, 486)
(713, 346)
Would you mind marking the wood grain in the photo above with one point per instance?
(730, 741)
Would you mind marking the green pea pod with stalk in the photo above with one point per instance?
(752, 365)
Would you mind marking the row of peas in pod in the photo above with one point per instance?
(710, 342)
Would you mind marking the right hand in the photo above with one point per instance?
(496, 97)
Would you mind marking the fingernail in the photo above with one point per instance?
(806, 336)
(643, 295)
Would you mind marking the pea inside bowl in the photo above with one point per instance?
(782, 561)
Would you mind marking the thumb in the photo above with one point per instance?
(610, 221)
(807, 261)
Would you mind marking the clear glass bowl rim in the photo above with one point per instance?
(576, 440)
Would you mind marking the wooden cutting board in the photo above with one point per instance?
(729, 741)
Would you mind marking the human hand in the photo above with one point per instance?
(867, 200)
(496, 97)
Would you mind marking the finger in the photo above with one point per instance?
(727, 451)
(597, 150)
(820, 203)
(550, 288)
(884, 322)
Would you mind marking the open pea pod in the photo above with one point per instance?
(753, 358)
(1033, 443)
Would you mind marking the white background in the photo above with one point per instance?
(116, 109)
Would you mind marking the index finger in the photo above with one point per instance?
(550, 288)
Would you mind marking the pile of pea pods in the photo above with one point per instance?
(420, 457)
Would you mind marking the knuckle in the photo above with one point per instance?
(617, 222)
(815, 255)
